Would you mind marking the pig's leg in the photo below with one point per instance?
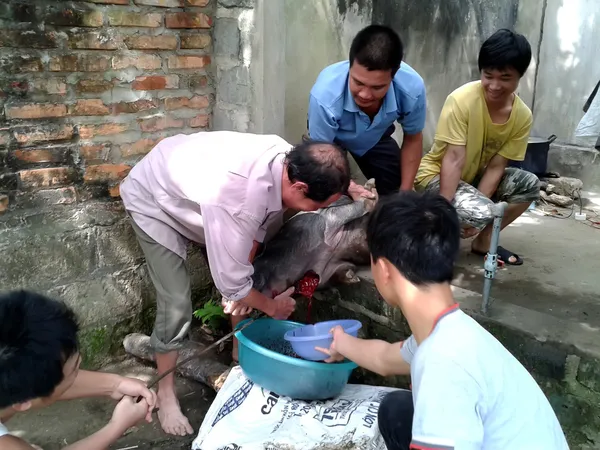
(339, 216)
(343, 273)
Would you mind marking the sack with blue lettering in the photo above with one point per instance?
(245, 416)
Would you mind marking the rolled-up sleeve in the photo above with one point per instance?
(229, 239)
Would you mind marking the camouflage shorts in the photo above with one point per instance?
(473, 208)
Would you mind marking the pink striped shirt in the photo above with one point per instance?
(221, 189)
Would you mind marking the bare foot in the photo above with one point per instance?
(170, 416)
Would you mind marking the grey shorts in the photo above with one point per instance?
(473, 208)
(171, 279)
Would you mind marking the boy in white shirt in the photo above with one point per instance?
(39, 364)
(468, 391)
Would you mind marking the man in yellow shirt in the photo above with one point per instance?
(483, 125)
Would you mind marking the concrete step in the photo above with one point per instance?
(578, 162)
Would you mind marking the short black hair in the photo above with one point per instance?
(505, 49)
(323, 166)
(377, 47)
(419, 233)
(37, 336)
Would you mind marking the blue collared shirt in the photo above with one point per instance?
(334, 116)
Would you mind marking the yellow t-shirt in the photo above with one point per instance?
(465, 120)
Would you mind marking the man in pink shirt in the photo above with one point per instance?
(225, 191)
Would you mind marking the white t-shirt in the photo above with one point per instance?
(3, 430)
(469, 392)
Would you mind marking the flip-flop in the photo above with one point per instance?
(503, 256)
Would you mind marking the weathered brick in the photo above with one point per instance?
(28, 39)
(134, 107)
(161, 3)
(94, 152)
(160, 123)
(35, 111)
(92, 86)
(162, 42)
(44, 155)
(196, 2)
(107, 129)
(21, 64)
(141, 61)
(3, 203)
(4, 139)
(200, 121)
(94, 107)
(196, 102)
(102, 173)
(114, 191)
(19, 12)
(73, 17)
(195, 40)
(31, 136)
(45, 197)
(81, 63)
(188, 61)
(54, 176)
(155, 82)
(131, 19)
(188, 20)
(109, 2)
(94, 40)
(52, 86)
(198, 82)
(15, 88)
(141, 147)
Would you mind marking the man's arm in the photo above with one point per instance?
(492, 175)
(322, 125)
(410, 158)
(229, 245)
(375, 355)
(452, 166)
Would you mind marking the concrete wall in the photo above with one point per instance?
(569, 67)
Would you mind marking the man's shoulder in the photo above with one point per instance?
(524, 114)
(331, 84)
(467, 95)
(408, 81)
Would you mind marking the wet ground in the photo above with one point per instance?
(66, 422)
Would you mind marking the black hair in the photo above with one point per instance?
(37, 336)
(377, 47)
(323, 166)
(505, 49)
(419, 233)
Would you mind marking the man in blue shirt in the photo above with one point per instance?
(354, 103)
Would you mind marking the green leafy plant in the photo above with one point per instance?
(211, 314)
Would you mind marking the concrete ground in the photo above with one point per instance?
(63, 423)
(560, 275)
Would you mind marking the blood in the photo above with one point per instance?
(306, 286)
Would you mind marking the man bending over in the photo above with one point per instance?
(483, 125)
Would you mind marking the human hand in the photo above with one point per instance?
(357, 192)
(127, 413)
(283, 305)
(334, 354)
(235, 308)
(133, 387)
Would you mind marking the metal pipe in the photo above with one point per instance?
(491, 261)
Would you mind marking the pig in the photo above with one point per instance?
(329, 242)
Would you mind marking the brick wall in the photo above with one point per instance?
(88, 87)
